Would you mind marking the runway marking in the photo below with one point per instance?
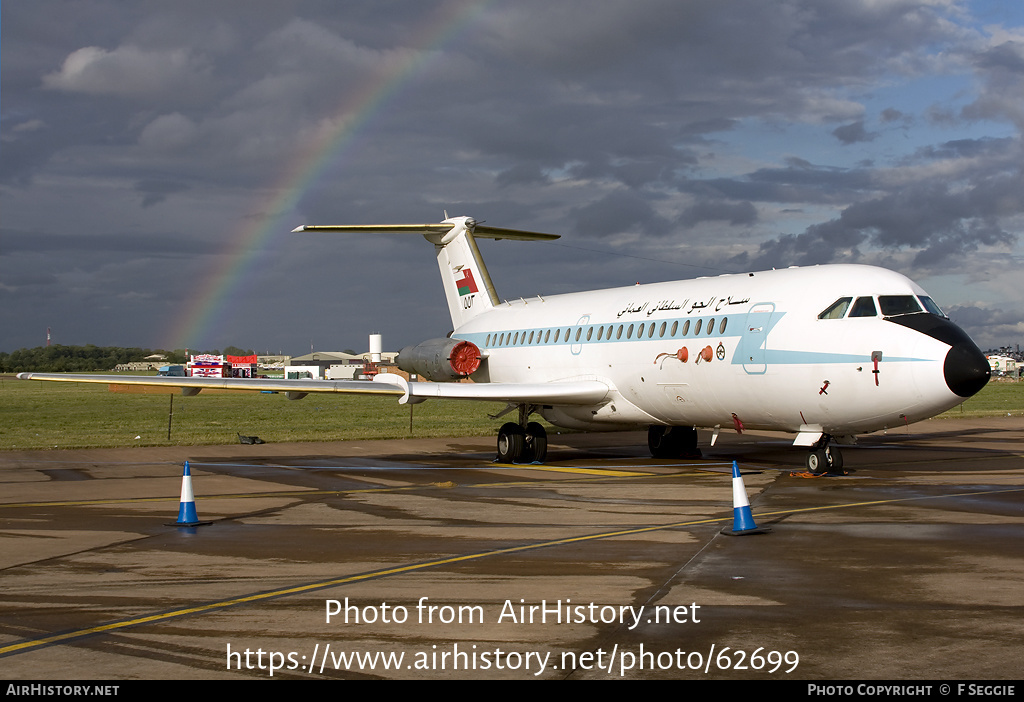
(570, 469)
(25, 646)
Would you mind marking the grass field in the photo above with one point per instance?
(39, 415)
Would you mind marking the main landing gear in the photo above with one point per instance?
(823, 458)
(522, 442)
(672, 442)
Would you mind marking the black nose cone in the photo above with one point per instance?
(966, 368)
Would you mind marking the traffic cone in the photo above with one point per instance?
(742, 519)
(187, 516)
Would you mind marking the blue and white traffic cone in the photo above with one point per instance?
(742, 519)
(187, 516)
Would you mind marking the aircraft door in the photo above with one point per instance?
(577, 347)
(755, 337)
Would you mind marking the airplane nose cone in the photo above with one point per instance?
(966, 369)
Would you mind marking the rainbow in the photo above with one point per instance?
(211, 299)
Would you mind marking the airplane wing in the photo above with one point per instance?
(570, 392)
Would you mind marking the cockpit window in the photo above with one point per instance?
(929, 304)
(893, 305)
(837, 309)
(863, 307)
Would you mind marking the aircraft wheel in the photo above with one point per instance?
(688, 443)
(672, 442)
(661, 442)
(536, 442)
(835, 459)
(817, 461)
(511, 442)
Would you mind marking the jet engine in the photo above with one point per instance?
(440, 359)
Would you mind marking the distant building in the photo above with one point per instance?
(1003, 365)
(152, 362)
(338, 365)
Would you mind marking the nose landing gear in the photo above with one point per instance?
(823, 458)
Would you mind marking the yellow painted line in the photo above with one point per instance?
(581, 471)
(24, 646)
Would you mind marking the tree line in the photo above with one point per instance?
(59, 358)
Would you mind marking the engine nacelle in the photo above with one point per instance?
(440, 359)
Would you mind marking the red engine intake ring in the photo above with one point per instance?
(465, 358)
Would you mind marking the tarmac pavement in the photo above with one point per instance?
(423, 559)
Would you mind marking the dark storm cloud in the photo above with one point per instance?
(968, 148)
(156, 191)
(617, 213)
(940, 223)
(139, 140)
(798, 182)
(853, 133)
(736, 213)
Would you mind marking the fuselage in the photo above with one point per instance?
(836, 349)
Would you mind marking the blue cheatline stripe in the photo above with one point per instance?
(542, 337)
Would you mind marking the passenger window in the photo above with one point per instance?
(618, 334)
(696, 327)
(863, 307)
(661, 331)
(531, 337)
(579, 330)
(590, 332)
(711, 326)
(837, 309)
(721, 327)
(650, 331)
(893, 305)
(547, 336)
(629, 332)
(686, 327)
(675, 328)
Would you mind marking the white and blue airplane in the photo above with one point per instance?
(823, 352)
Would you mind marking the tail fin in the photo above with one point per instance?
(467, 284)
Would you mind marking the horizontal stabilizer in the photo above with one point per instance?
(479, 230)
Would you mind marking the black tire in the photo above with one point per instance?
(687, 442)
(835, 460)
(672, 442)
(536, 443)
(658, 441)
(511, 442)
(817, 461)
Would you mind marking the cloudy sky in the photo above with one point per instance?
(155, 155)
